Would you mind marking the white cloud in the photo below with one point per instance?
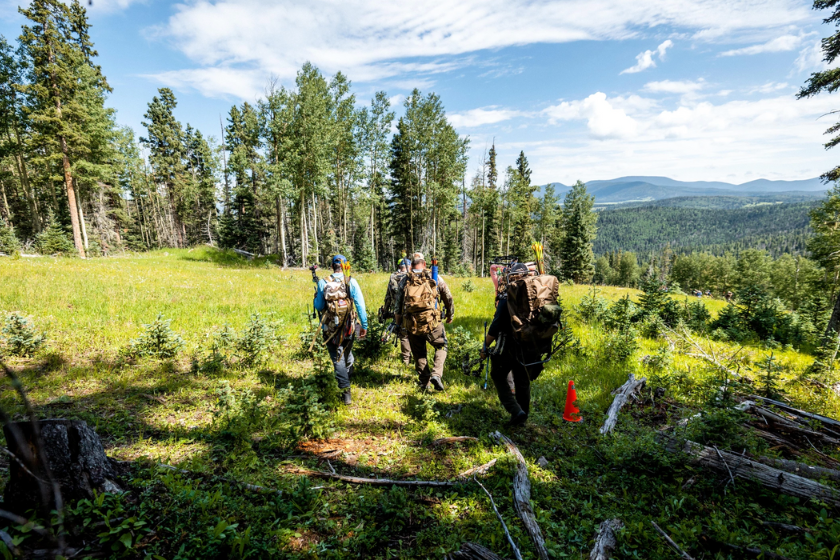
(481, 116)
(737, 140)
(644, 60)
(671, 86)
(779, 44)
(217, 82)
(770, 87)
(603, 120)
(369, 40)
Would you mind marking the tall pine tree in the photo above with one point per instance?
(579, 232)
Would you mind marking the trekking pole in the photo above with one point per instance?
(487, 357)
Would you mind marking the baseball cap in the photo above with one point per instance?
(339, 259)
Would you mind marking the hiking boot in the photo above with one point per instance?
(347, 399)
(437, 383)
(520, 418)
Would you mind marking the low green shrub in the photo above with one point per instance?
(19, 337)
(157, 340)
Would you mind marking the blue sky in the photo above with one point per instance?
(589, 89)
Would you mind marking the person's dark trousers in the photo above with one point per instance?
(500, 367)
(437, 339)
(343, 364)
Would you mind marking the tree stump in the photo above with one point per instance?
(76, 459)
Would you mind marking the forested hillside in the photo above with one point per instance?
(776, 228)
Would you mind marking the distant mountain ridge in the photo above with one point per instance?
(652, 188)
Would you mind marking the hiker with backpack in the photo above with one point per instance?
(526, 319)
(340, 301)
(389, 307)
(421, 296)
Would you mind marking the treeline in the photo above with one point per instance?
(301, 174)
(777, 229)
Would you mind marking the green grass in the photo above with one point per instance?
(161, 412)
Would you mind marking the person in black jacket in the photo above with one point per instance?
(511, 359)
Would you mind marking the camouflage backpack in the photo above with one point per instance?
(339, 312)
(419, 301)
(534, 310)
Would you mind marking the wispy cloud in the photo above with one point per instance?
(482, 116)
(779, 44)
(644, 60)
(678, 87)
(372, 40)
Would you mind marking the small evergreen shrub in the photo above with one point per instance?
(9, 243)
(621, 314)
(468, 286)
(769, 378)
(19, 337)
(592, 307)
(371, 347)
(53, 239)
(256, 340)
(461, 344)
(619, 345)
(157, 340)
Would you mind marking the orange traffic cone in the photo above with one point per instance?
(571, 412)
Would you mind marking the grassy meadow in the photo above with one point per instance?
(165, 411)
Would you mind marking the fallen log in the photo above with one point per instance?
(454, 439)
(621, 395)
(741, 467)
(795, 467)
(605, 541)
(797, 412)
(791, 426)
(472, 551)
(522, 496)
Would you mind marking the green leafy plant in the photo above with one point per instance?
(157, 340)
(19, 337)
(592, 307)
(468, 286)
(770, 377)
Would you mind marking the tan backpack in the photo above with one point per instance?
(534, 310)
(419, 298)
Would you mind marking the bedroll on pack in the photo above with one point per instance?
(534, 311)
(419, 313)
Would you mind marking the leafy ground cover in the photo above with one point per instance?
(243, 401)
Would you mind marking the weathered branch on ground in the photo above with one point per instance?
(621, 395)
(522, 496)
(516, 552)
(20, 520)
(747, 469)
(454, 439)
(481, 469)
(384, 481)
(252, 487)
(701, 353)
(605, 541)
(671, 543)
(747, 551)
(797, 412)
(472, 551)
(791, 426)
(795, 467)
(785, 527)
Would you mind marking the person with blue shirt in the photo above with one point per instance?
(339, 340)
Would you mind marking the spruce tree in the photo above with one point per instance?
(56, 105)
(165, 140)
(579, 232)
